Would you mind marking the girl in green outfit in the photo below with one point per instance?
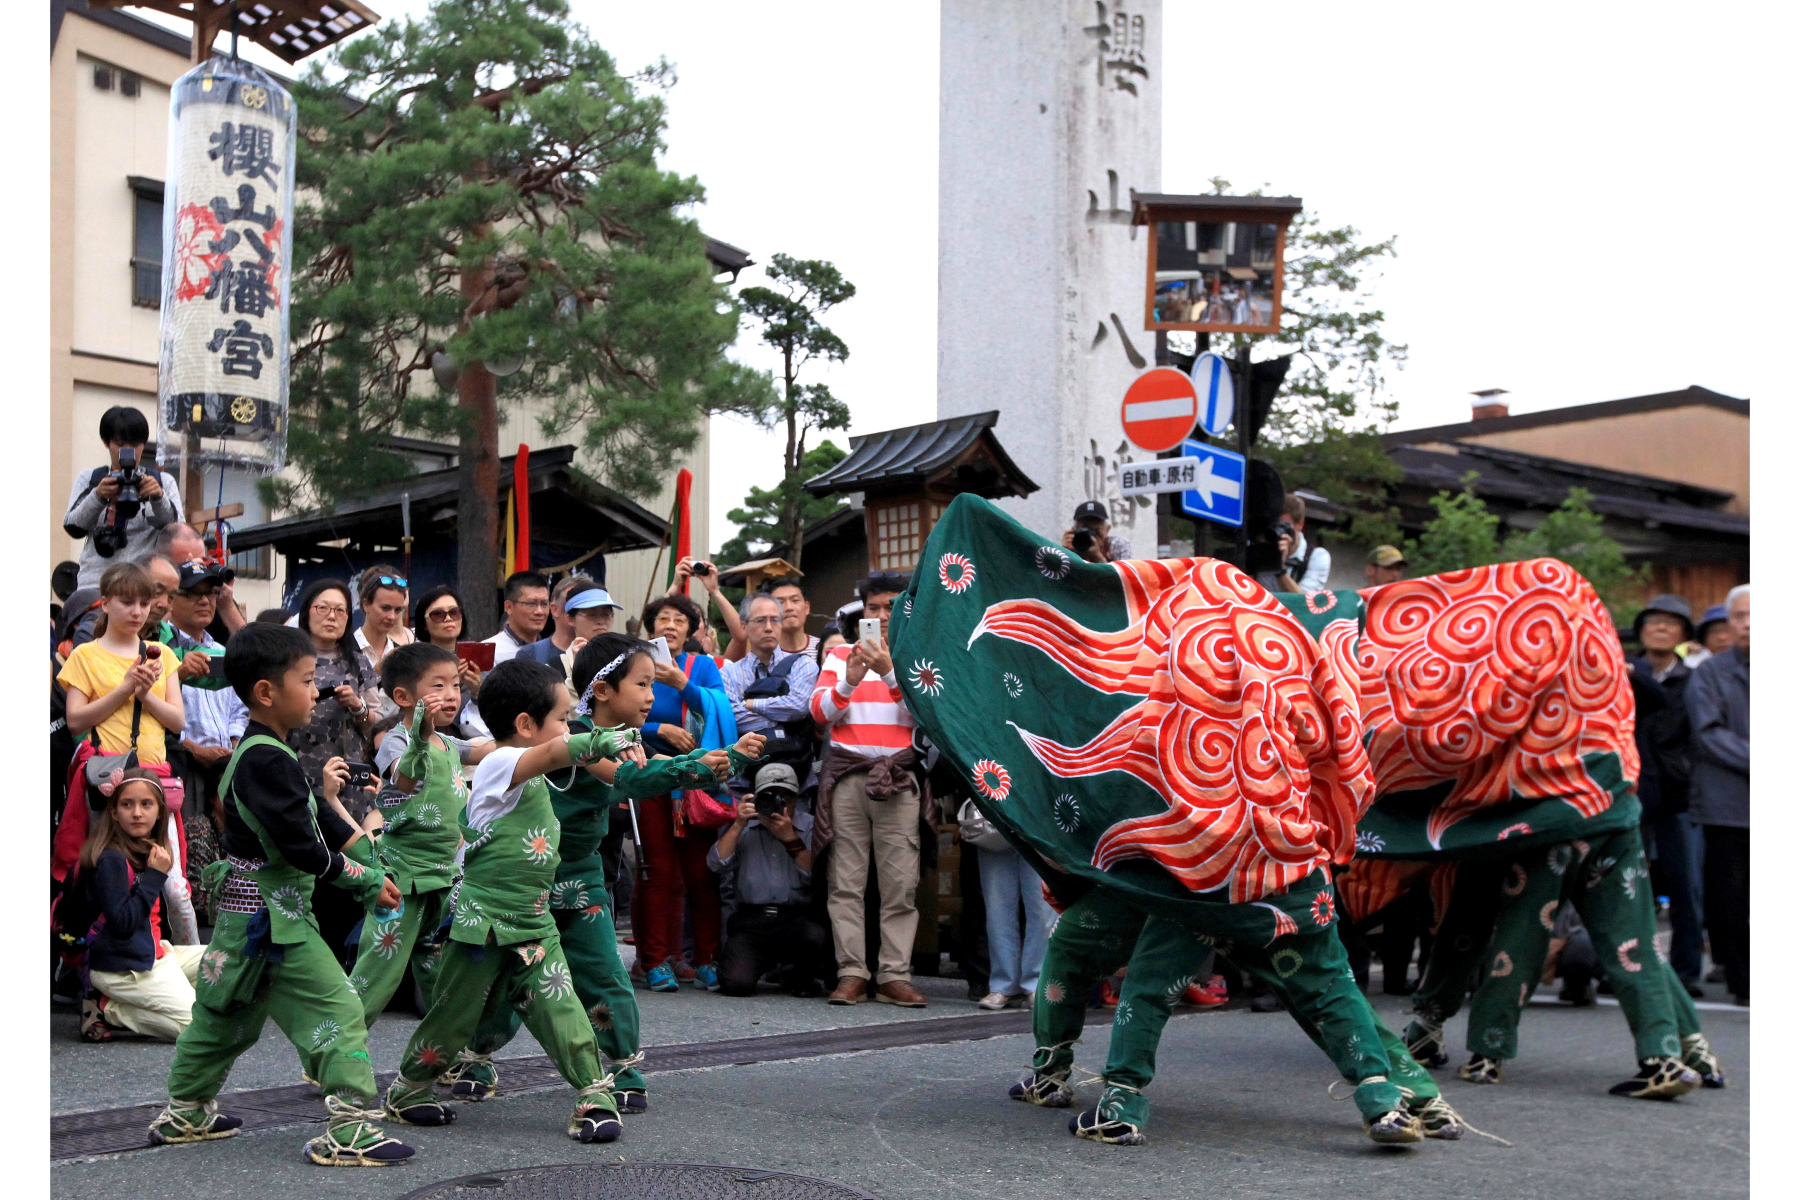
(614, 674)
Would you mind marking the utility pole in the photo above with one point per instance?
(1241, 390)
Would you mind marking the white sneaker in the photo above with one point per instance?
(993, 1001)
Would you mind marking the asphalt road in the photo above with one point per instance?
(1240, 1109)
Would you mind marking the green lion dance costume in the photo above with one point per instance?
(1184, 756)
(1179, 754)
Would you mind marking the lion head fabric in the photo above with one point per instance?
(1137, 719)
(1498, 707)
(1173, 728)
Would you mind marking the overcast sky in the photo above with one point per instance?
(1586, 197)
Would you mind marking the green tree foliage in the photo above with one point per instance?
(481, 185)
(760, 520)
(1575, 533)
(1462, 534)
(1465, 534)
(1324, 430)
(789, 312)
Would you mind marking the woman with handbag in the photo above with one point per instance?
(1007, 883)
(123, 695)
(677, 830)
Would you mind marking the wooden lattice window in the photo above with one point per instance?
(899, 535)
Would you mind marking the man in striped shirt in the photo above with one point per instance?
(871, 806)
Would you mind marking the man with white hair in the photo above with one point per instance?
(1718, 699)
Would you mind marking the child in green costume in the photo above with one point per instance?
(267, 958)
(614, 674)
(422, 823)
(504, 947)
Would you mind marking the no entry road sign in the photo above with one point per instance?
(1212, 384)
(1159, 409)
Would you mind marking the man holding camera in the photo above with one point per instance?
(1303, 568)
(1092, 537)
(216, 717)
(119, 507)
(765, 881)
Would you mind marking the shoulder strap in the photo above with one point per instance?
(259, 739)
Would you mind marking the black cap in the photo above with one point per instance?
(193, 574)
(1671, 605)
(1091, 510)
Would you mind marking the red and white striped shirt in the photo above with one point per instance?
(868, 719)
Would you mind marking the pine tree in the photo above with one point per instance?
(789, 312)
(485, 206)
(760, 520)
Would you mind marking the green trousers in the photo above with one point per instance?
(602, 984)
(305, 993)
(475, 982)
(1309, 970)
(385, 949)
(1608, 881)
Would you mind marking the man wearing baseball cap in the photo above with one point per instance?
(764, 866)
(1092, 537)
(583, 610)
(1386, 565)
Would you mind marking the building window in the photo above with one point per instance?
(254, 564)
(103, 77)
(901, 527)
(146, 242)
(128, 84)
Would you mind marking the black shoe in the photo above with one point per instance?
(1114, 1133)
(1658, 1079)
(632, 1103)
(429, 1113)
(1267, 1002)
(596, 1127)
(1694, 990)
(1582, 998)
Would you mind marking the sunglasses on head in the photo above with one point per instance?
(398, 581)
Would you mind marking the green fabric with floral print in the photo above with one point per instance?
(285, 888)
(420, 836)
(508, 871)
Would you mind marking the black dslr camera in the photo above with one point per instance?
(109, 537)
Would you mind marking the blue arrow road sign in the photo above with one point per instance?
(1212, 384)
(1218, 491)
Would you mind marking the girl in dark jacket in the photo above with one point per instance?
(138, 980)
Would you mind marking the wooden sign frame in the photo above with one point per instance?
(1151, 210)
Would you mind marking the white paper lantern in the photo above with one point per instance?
(228, 217)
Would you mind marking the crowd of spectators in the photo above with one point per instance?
(804, 874)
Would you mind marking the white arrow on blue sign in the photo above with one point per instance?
(1218, 490)
(1212, 384)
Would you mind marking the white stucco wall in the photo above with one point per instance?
(1039, 149)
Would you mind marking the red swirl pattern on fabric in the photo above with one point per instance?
(1499, 679)
(1247, 727)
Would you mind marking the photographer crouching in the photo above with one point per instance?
(765, 882)
(119, 507)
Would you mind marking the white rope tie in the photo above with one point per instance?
(1090, 1078)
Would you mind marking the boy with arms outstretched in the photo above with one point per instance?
(615, 676)
(267, 958)
(504, 948)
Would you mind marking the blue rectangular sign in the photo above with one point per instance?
(1218, 491)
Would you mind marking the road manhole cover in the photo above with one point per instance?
(638, 1181)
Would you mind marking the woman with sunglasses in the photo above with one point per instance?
(381, 591)
(438, 619)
